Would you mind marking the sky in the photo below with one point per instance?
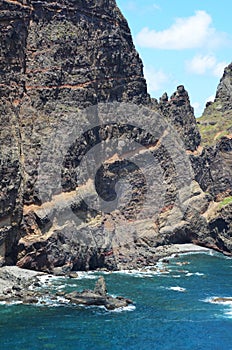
(182, 42)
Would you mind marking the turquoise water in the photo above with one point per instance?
(172, 311)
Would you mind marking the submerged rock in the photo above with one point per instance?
(222, 300)
(73, 275)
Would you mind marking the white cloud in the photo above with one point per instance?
(185, 33)
(200, 64)
(219, 69)
(156, 79)
(197, 108)
(206, 64)
(210, 99)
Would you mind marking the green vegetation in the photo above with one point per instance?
(214, 124)
(225, 201)
(62, 31)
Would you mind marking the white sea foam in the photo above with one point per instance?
(10, 303)
(56, 302)
(205, 251)
(209, 300)
(189, 274)
(47, 280)
(62, 286)
(177, 289)
(87, 275)
(228, 314)
(117, 310)
(227, 304)
(62, 300)
(135, 273)
(125, 308)
(146, 272)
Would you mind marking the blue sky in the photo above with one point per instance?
(182, 42)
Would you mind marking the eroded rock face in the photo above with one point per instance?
(57, 60)
(214, 166)
(179, 111)
(213, 169)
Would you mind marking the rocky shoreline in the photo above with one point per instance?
(24, 286)
(18, 285)
(175, 249)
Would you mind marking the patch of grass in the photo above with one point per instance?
(214, 124)
(225, 201)
(221, 134)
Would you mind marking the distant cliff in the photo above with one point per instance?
(60, 64)
(216, 129)
(216, 120)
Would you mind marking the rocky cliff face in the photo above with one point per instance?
(209, 210)
(55, 58)
(58, 61)
(180, 113)
(223, 94)
(214, 169)
(216, 120)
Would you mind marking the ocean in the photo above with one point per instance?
(172, 309)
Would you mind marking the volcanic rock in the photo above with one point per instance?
(68, 66)
(98, 297)
(180, 113)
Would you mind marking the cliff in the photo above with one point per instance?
(77, 125)
(55, 58)
(216, 119)
(214, 172)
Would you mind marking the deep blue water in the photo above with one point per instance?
(172, 311)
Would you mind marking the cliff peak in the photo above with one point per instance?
(180, 113)
(224, 90)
